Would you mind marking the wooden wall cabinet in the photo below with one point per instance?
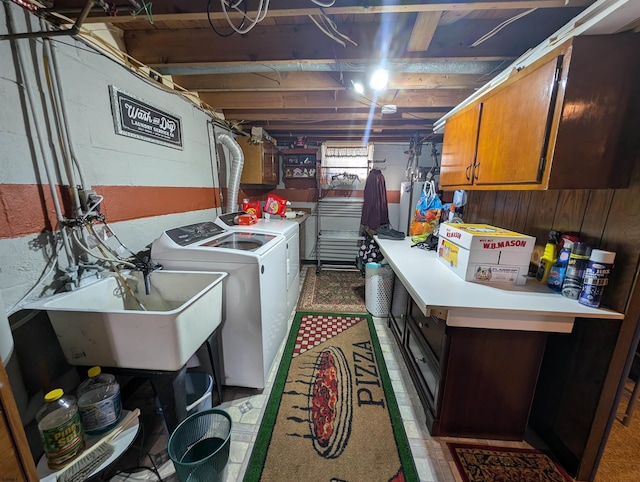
(261, 162)
(561, 123)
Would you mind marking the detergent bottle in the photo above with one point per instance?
(548, 259)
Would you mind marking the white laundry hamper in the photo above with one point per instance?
(378, 288)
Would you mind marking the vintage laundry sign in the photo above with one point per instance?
(133, 117)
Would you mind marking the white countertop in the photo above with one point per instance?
(432, 284)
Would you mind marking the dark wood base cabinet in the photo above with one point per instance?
(472, 382)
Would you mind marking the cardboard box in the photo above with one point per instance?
(485, 253)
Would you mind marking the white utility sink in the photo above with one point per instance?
(102, 324)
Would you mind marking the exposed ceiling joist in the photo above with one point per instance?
(423, 30)
(290, 77)
(197, 13)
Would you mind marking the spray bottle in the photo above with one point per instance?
(559, 268)
(549, 257)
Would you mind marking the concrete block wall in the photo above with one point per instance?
(147, 187)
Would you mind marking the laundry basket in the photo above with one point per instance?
(199, 446)
(378, 288)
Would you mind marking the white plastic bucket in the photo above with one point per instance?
(198, 388)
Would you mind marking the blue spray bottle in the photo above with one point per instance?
(559, 269)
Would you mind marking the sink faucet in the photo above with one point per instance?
(147, 267)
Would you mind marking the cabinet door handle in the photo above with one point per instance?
(468, 173)
(423, 360)
(476, 171)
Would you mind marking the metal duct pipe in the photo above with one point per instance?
(233, 183)
(485, 67)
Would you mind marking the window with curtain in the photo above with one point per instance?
(344, 166)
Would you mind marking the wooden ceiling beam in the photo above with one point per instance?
(306, 44)
(288, 81)
(322, 100)
(179, 11)
(423, 30)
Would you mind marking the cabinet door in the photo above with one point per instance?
(9, 462)
(270, 161)
(515, 127)
(253, 160)
(459, 147)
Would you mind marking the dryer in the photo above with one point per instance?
(255, 316)
(291, 231)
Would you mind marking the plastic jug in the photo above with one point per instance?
(60, 428)
(99, 402)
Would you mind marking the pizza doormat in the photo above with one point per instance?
(332, 414)
(485, 463)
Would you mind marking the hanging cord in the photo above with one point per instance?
(324, 5)
(494, 31)
(244, 4)
(87, 250)
(331, 25)
(263, 8)
(93, 208)
(51, 264)
(114, 266)
(145, 7)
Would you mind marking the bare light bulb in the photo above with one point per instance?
(358, 87)
(379, 80)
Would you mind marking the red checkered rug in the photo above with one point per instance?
(316, 329)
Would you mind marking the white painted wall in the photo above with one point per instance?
(105, 157)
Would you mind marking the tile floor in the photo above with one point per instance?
(245, 406)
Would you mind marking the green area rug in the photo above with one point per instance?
(332, 414)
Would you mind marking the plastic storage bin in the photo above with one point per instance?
(199, 446)
(378, 288)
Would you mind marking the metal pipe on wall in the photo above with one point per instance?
(57, 84)
(43, 152)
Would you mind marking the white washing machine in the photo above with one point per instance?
(255, 317)
(291, 231)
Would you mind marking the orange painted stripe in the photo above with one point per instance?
(122, 203)
(28, 208)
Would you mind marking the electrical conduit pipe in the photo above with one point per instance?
(233, 184)
(43, 152)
